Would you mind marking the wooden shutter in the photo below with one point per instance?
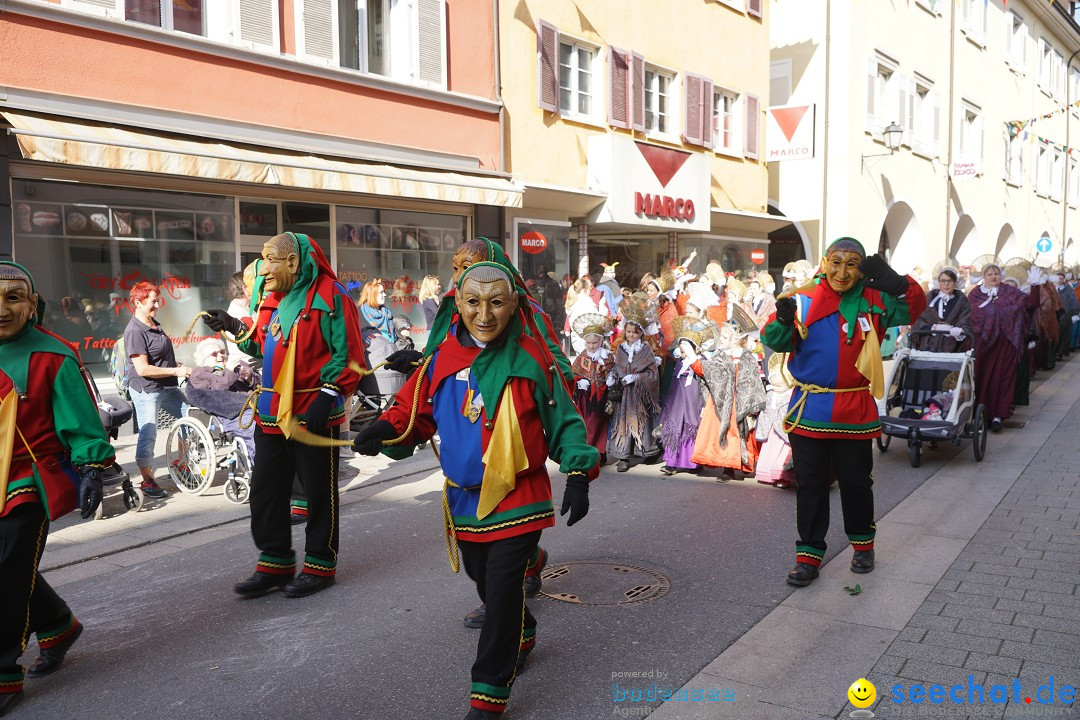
(754, 7)
(547, 66)
(871, 95)
(619, 90)
(318, 30)
(257, 24)
(431, 43)
(706, 112)
(637, 92)
(753, 112)
(692, 109)
(936, 124)
(980, 144)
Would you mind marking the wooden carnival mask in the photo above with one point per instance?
(280, 263)
(486, 301)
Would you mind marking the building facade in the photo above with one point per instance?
(636, 137)
(986, 108)
(167, 140)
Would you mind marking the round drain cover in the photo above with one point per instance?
(602, 583)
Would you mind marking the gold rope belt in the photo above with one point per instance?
(800, 404)
(448, 526)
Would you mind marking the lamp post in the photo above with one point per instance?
(1068, 157)
(892, 134)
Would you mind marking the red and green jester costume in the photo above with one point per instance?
(56, 428)
(500, 412)
(308, 339)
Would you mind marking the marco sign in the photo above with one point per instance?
(789, 133)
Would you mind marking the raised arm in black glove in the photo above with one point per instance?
(881, 277)
(785, 311)
(318, 412)
(575, 499)
(369, 441)
(221, 320)
(404, 361)
(90, 490)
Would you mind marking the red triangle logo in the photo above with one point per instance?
(789, 118)
(664, 162)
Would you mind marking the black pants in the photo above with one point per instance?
(498, 569)
(277, 461)
(27, 603)
(816, 461)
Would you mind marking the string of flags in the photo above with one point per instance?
(1015, 127)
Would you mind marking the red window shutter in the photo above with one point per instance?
(637, 92)
(619, 78)
(753, 119)
(547, 67)
(706, 112)
(692, 109)
(754, 7)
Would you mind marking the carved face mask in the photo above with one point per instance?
(842, 270)
(17, 306)
(463, 259)
(486, 304)
(279, 267)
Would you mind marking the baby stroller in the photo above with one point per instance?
(114, 411)
(376, 391)
(212, 425)
(931, 396)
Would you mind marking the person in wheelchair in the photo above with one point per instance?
(210, 381)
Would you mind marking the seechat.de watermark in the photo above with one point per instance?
(974, 693)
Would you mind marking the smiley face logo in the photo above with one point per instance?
(862, 693)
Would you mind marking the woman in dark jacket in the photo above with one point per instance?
(430, 294)
(945, 324)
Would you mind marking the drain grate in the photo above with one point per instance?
(594, 582)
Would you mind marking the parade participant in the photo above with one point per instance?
(610, 287)
(634, 389)
(832, 330)
(591, 369)
(1046, 321)
(682, 406)
(52, 451)
(490, 392)
(774, 458)
(307, 314)
(945, 325)
(998, 313)
(1068, 318)
(584, 300)
(656, 290)
(759, 304)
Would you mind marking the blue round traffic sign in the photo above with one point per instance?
(1044, 245)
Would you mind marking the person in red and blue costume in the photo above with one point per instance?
(833, 328)
(501, 409)
(53, 448)
(307, 333)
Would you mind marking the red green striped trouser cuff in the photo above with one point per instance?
(528, 639)
(319, 566)
(54, 636)
(809, 555)
(489, 697)
(862, 542)
(11, 682)
(276, 564)
(537, 562)
(299, 507)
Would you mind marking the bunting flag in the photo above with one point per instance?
(8, 407)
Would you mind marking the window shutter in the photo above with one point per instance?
(903, 118)
(619, 81)
(1041, 63)
(637, 92)
(547, 67)
(936, 124)
(431, 43)
(754, 7)
(752, 122)
(257, 26)
(318, 30)
(871, 88)
(108, 8)
(1006, 167)
(692, 109)
(706, 112)
(979, 143)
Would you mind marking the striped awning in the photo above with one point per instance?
(73, 142)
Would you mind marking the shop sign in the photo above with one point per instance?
(963, 171)
(533, 242)
(649, 185)
(757, 256)
(789, 133)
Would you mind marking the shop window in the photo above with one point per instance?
(399, 247)
(311, 219)
(88, 245)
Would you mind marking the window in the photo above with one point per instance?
(970, 149)
(1057, 86)
(659, 106)
(925, 114)
(182, 15)
(1057, 173)
(973, 19)
(1014, 159)
(1015, 41)
(1043, 168)
(883, 91)
(576, 73)
(725, 123)
(779, 82)
(1051, 69)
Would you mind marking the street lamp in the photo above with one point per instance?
(892, 134)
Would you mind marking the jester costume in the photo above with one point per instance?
(837, 371)
(500, 412)
(48, 426)
(308, 340)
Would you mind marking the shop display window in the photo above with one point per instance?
(88, 245)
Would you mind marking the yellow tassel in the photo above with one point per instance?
(869, 362)
(8, 407)
(504, 458)
(283, 387)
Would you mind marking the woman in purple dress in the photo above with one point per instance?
(997, 319)
(681, 414)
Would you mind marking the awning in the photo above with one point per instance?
(745, 221)
(72, 142)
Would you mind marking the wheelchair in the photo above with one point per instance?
(201, 444)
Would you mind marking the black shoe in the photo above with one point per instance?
(476, 714)
(668, 470)
(49, 659)
(802, 574)
(534, 582)
(519, 666)
(653, 459)
(9, 700)
(622, 466)
(307, 584)
(862, 561)
(261, 583)
(995, 426)
(297, 518)
(475, 619)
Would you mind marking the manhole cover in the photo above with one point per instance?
(602, 583)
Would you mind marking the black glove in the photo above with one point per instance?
(404, 361)
(575, 499)
(318, 412)
(221, 320)
(90, 490)
(370, 440)
(881, 277)
(785, 311)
